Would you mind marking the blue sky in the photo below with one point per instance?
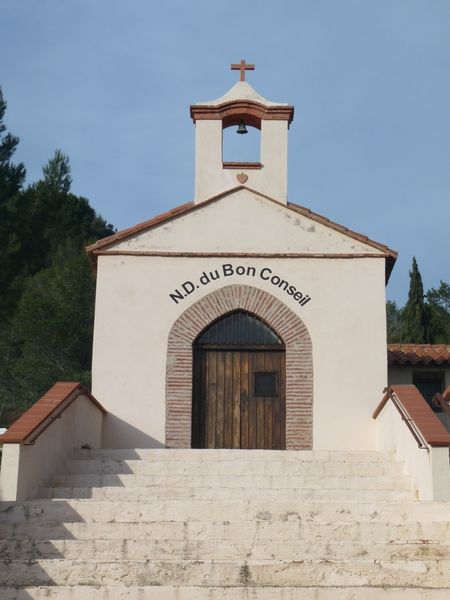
(110, 83)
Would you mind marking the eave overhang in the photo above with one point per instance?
(103, 245)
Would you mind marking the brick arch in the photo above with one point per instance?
(299, 366)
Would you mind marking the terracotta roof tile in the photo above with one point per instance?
(44, 408)
(419, 411)
(419, 354)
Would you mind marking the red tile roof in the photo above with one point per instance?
(429, 425)
(44, 409)
(419, 354)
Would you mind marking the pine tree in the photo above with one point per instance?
(57, 173)
(46, 284)
(415, 326)
(11, 180)
(50, 336)
(11, 176)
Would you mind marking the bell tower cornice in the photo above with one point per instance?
(233, 111)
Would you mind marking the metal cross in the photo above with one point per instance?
(242, 67)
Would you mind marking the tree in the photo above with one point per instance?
(394, 319)
(58, 214)
(440, 296)
(50, 336)
(11, 176)
(57, 173)
(415, 318)
(39, 219)
(46, 285)
(439, 313)
(11, 180)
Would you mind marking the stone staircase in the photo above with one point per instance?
(228, 524)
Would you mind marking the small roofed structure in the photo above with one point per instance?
(427, 366)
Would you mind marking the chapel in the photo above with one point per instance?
(228, 321)
(239, 440)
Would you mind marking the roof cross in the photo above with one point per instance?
(242, 67)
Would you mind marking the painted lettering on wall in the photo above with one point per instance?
(186, 288)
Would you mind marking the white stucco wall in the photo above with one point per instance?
(394, 436)
(345, 318)
(25, 468)
(428, 467)
(244, 221)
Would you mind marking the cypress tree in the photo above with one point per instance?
(415, 327)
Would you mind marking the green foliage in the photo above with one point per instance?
(415, 318)
(11, 176)
(46, 286)
(57, 173)
(50, 333)
(394, 322)
(440, 297)
(439, 313)
(11, 180)
(425, 318)
(41, 218)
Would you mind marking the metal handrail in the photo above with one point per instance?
(421, 441)
(47, 422)
(34, 421)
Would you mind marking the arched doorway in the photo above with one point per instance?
(299, 361)
(239, 385)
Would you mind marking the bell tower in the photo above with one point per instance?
(241, 107)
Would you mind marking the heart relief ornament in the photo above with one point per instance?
(242, 177)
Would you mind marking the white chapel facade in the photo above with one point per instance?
(240, 319)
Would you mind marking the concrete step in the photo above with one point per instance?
(101, 511)
(228, 524)
(251, 481)
(192, 549)
(304, 468)
(192, 455)
(221, 593)
(388, 532)
(413, 573)
(167, 492)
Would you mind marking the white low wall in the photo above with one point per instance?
(429, 467)
(25, 468)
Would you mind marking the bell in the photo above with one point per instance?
(242, 128)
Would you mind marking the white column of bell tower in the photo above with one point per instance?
(274, 145)
(208, 160)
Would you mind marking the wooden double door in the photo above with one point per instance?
(239, 397)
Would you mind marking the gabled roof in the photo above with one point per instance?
(102, 245)
(418, 412)
(45, 410)
(419, 354)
